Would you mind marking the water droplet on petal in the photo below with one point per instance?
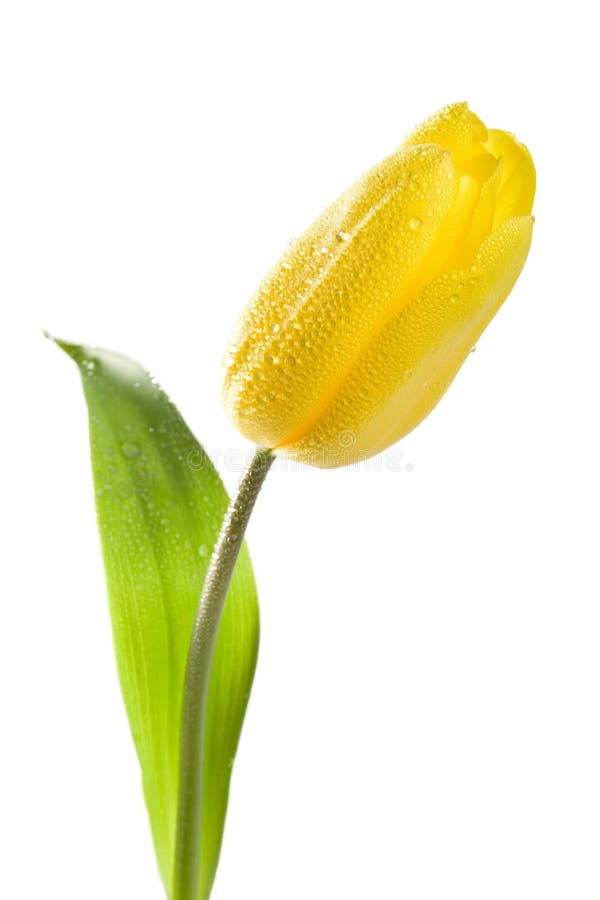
(342, 236)
(453, 298)
(415, 223)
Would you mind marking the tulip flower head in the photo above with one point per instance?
(357, 332)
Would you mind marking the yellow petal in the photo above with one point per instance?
(479, 222)
(516, 190)
(454, 127)
(410, 363)
(367, 255)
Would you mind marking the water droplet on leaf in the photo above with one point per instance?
(130, 450)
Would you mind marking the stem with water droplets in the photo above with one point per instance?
(195, 694)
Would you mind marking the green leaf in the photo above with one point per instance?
(160, 504)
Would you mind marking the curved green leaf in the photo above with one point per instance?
(160, 504)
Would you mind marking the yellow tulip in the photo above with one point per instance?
(355, 335)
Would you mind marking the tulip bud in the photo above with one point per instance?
(354, 336)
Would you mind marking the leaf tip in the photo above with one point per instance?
(77, 352)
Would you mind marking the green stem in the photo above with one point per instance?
(195, 692)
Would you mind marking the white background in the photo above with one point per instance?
(425, 717)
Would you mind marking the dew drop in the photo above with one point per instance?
(342, 236)
(130, 450)
(89, 365)
(453, 298)
(203, 551)
(473, 349)
(415, 223)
